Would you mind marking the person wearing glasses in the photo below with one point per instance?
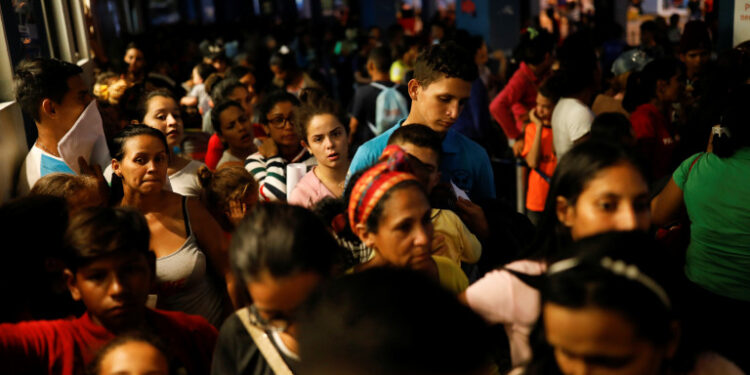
(282, 147)
(261, 339)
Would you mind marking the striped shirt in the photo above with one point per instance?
(271, 173)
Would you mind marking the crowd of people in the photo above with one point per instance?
(314, 206)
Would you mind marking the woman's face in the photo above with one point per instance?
(278, 125)
(327, 141)
(134, 358)
(236, 130)
(143, 167)
(135, 60)
(671, 89)
(404, 234)
(164, 114)
(592, 340)
(616, 198)
(242, 96)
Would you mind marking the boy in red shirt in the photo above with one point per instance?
(110, 268)
(538, 150)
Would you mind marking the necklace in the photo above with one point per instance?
(43, 147)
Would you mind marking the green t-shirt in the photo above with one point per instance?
(717, 197)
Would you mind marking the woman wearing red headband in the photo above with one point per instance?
(389, 211)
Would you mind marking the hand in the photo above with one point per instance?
(473, 217)
(518, 147)
(95, 171)
(534, 118)
(236, 212)
(268, 148)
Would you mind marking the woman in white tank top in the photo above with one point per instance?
(183, 233)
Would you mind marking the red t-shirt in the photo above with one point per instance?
(215, 148)
(516, 99)
(536, 195)
(654, 136)
(67, 346)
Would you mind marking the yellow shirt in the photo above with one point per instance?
(451, 276)
(459, 244)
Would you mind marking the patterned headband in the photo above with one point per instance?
(392, 169)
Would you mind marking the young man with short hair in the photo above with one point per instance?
(110, 268)
(52, 93)
(441, 86)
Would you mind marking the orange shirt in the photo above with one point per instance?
(538, 187)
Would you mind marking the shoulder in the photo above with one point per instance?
(182, 322)
(451, 276)
(192, 166)
(469, 146)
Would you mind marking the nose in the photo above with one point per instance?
(627, 219)
(171, 120)
(115, 285)
(453, 109)
(423, 236)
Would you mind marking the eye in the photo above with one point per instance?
(139, 160)
(317, 138)
(444, 99)
(96, 276)
(608, 205)
(336, 133)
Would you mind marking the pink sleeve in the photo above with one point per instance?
(502, 110)
(501, 298)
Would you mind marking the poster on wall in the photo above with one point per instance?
(741, 21)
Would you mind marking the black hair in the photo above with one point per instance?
(594, 280)
(315, 102)
(237, 72)
(117, 146)
(695, 36)
(408, 43)
(218, 109)
(734, 119)
(642, 85)
(418, 135)
(381, 57)
(445, 59)
(612, 127)
(534, 46)
(42, 78)
(285, 61)
(94, 367)
(384, 321)
(282, 240)
(222, 89)
(552, 87)
(278, 96)
(573, 172)
(578, 64)
(145, 98)
(204, 70)
(98, 232)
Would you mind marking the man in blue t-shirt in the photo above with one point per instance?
(441, 86)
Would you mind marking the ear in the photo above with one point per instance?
(48, 107)
(414, 88)
(565, 211)
(116, 168)
(70, 281)
(367, 237)
(267, 129)
(370, 65)
(306, 146)
(674, 341)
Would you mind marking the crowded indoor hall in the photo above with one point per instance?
(376, 187)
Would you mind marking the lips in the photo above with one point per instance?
(333, 157)
(173, 133)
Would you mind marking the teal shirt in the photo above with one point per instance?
(717, 197)
(464, 162)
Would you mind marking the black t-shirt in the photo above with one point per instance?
(363, 109)
(237, 354)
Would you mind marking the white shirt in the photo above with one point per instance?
(38, 163)
(571, 120)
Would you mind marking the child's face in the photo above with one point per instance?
(427, 171)
(114, 288)
(544, 107)
(134, 358)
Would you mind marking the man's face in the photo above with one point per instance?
(73, 103)
(695, 60)
(113, 288)
(439, 104)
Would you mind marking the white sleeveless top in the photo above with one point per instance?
(184, 283)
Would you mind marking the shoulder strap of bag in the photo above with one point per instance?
(264, 344)
(534, 281)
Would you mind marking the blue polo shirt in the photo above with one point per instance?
(463, 161)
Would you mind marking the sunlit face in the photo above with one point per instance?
(427, 170)
(695, 60)
(134, 358)
(135, 60)
(278, 125)
(242, 96)
(439, 104)
(143, 167)
(544, 107)
(596, 341)
(327, 141)
(113, 288)
(236, 130)
(278, 299)
(404, 234)
(164, 114)
(73, 103)
(616, 198)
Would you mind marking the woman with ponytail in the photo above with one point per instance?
(714, 189)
